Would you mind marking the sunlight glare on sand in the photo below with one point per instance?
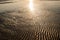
(31, 7)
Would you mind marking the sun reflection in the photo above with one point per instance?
(31, 5)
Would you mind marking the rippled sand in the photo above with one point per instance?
(19, 21)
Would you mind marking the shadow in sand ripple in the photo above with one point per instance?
(5, 2)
